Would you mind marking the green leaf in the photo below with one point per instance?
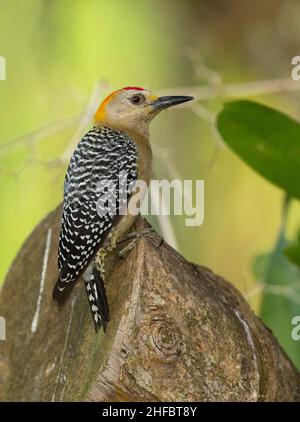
(267, 140)
(293, 251)
(281, 295)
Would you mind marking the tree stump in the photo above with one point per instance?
(178, 332)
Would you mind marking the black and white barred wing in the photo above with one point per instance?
(99, 181)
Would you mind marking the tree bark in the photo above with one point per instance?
(178, 332)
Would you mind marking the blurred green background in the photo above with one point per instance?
(57, 51)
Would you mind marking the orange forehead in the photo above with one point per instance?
(108, 99)
(100, 113)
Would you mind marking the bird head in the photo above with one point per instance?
(131, 109)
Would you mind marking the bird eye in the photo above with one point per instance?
(137, 99)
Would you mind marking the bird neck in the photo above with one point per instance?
(144, 152)
(131, 128)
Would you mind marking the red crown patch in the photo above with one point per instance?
(137, 88)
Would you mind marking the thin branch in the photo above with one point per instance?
(200, 93)
(85, 120)
(202, 71)
(164, 220)
(246, 89)
(274, 289)
(203, 112)
(44, 132)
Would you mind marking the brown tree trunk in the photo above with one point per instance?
(178, 332)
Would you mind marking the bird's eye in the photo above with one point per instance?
(137, 99)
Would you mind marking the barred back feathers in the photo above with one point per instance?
(102, 156)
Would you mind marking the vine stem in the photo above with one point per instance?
(279, 244)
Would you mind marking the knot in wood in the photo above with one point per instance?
(166, 339)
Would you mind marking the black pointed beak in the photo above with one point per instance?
(165, 102)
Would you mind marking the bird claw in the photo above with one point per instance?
(100, 261)
(134, 237)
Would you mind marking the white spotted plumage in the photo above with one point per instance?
(102, 156)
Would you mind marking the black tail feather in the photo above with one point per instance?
(97, 300)
(61, 292)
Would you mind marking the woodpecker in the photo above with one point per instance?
(99, 185)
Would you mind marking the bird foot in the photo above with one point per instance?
(100, 261)
(133, 237)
